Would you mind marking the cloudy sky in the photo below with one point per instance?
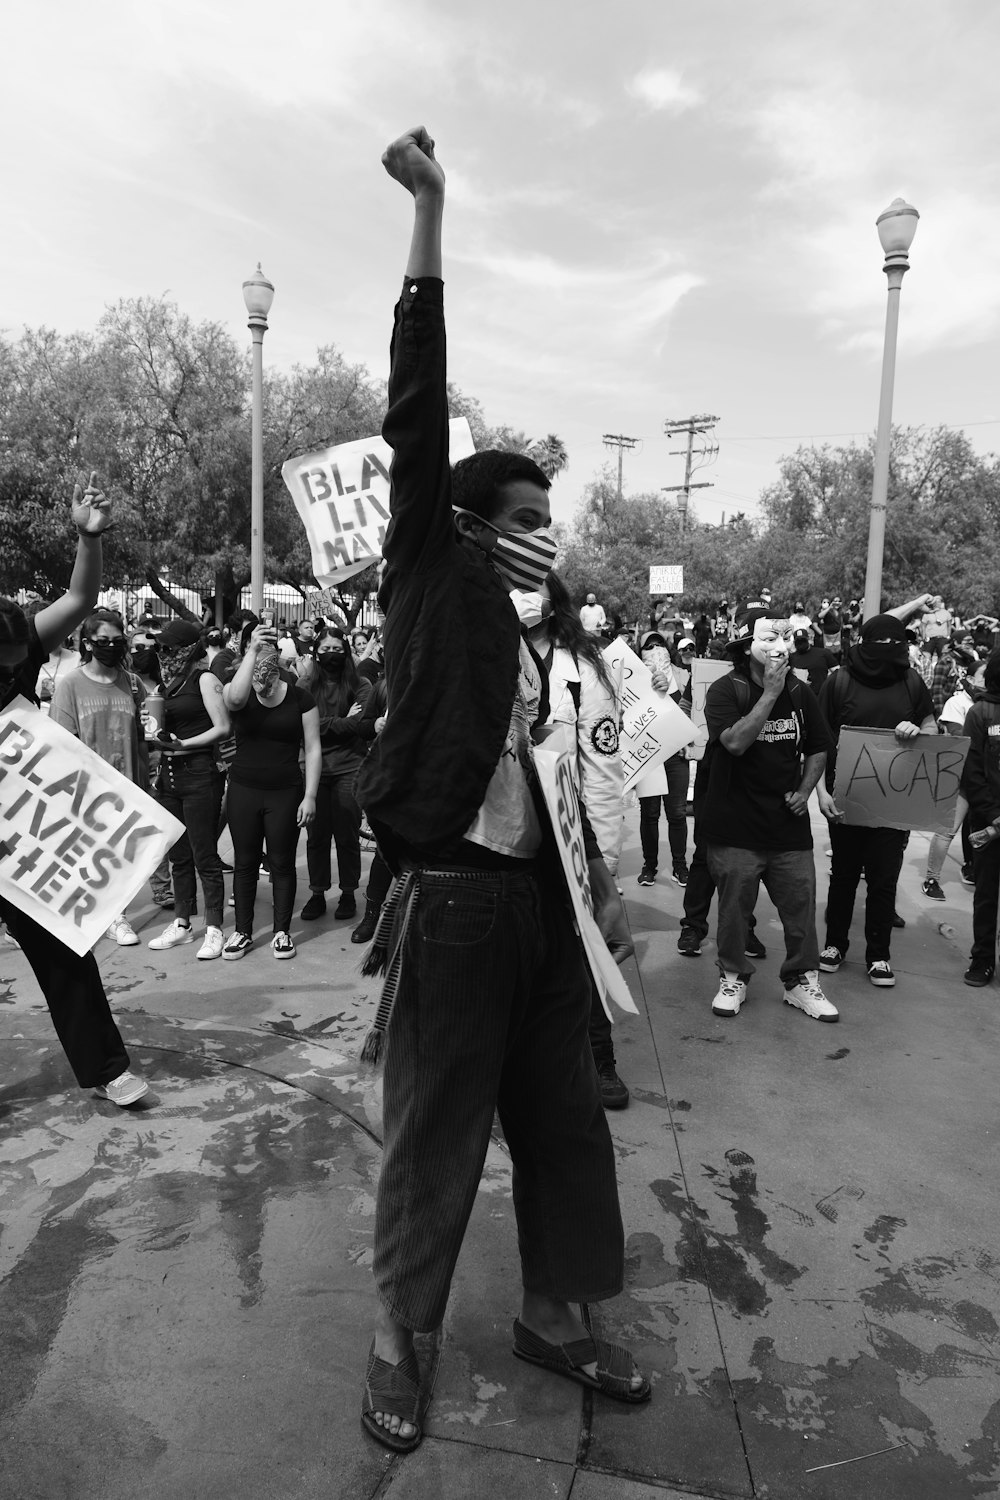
(655, 209)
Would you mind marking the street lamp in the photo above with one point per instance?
(896, 228)
(258, 294)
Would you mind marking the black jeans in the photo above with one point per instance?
(879, 853)
(76, 1000)
(338, 818)
(698, 894)
(259, 819)
(986, 869)
(492, 1013)
(675, 807)
(190, 787)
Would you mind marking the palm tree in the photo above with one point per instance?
(549, 454)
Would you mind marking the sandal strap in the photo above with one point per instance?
(393, 1389)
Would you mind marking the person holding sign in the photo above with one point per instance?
(71, 984)
(487, 1001)
(981, 785)
(768, 745)
(878, 689)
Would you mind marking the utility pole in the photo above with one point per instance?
(619, 441)
(703, 427)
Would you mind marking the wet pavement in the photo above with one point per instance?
(813, 1266)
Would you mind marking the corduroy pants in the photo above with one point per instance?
(491, 1013)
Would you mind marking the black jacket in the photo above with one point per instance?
(981, 776)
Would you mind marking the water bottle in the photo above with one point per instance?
(154, 713)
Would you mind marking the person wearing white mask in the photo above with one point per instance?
(768, 744)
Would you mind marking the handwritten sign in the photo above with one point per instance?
(666, 580)
(883, 782)
(554, 766)
(78, 840)
(342, 497)
(653, 727)
(703, 674)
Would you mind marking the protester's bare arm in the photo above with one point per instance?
(905, 612)
(609, 911)
(314, 765)
(410, 161)
(813, 769)
(92, 516)
(828, 806)
(738, 738)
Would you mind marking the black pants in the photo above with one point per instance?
(338, 819)
(986, 869)
(74, 994)
(492, 1012)
(259, 819)
(675, 806)
(379, 881)
(190, 787)
(698, 894)
(879, 853)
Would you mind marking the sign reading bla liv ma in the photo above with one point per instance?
(78, 840)
(342, 497)
(883, 782)
(555, 776)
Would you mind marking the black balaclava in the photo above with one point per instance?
(881, 657)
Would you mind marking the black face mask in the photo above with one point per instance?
(144, 659)
(110, 653)
(331, 661)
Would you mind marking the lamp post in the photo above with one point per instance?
(258, 294)
(896, 228)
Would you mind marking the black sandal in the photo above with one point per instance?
(395, 1391)
(615, 1365)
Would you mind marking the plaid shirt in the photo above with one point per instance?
(943, 680)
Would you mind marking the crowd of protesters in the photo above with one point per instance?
(425, 730)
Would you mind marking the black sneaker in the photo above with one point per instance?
(239, 944)
(978, 974)
(614, 1094)
(689, 943)
(753, 947)
(165, 902)
(930, 887)
(968, 878)
(831, 959)
(647, 875)
(346, 906)
(897, 920)
(880, 973)
(680, 872)
(314, 907)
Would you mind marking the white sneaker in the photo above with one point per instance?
(123, 933)
(125, 1089)
(212, 946)
(173, 936)
(732, 993)
(806, 995)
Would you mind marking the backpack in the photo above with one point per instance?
(841, 688)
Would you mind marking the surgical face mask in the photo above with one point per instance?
(770, 641)
(110, 652)
(532, 607)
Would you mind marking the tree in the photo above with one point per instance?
(549, 454)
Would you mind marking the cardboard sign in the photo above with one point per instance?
(78, 840)
(342, 497)
(703, 674)
(883, 782)
(666, 580)
(653, 727)
(554, 765)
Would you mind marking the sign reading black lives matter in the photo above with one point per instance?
(342, 497)
(78, 840)
(883, 782)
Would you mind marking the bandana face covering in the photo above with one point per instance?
(265, 674)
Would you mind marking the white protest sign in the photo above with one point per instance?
(342, 497)
(555, 777)
(703, 673)
(666, 580)
(78, 840)
(652, 727)
(883, 782)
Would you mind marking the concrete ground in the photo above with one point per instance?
(813, 1273)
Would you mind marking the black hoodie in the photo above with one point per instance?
(981, 776)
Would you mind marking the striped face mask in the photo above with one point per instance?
(524, 559)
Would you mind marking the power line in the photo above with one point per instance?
(619, 441)
(704, 427)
